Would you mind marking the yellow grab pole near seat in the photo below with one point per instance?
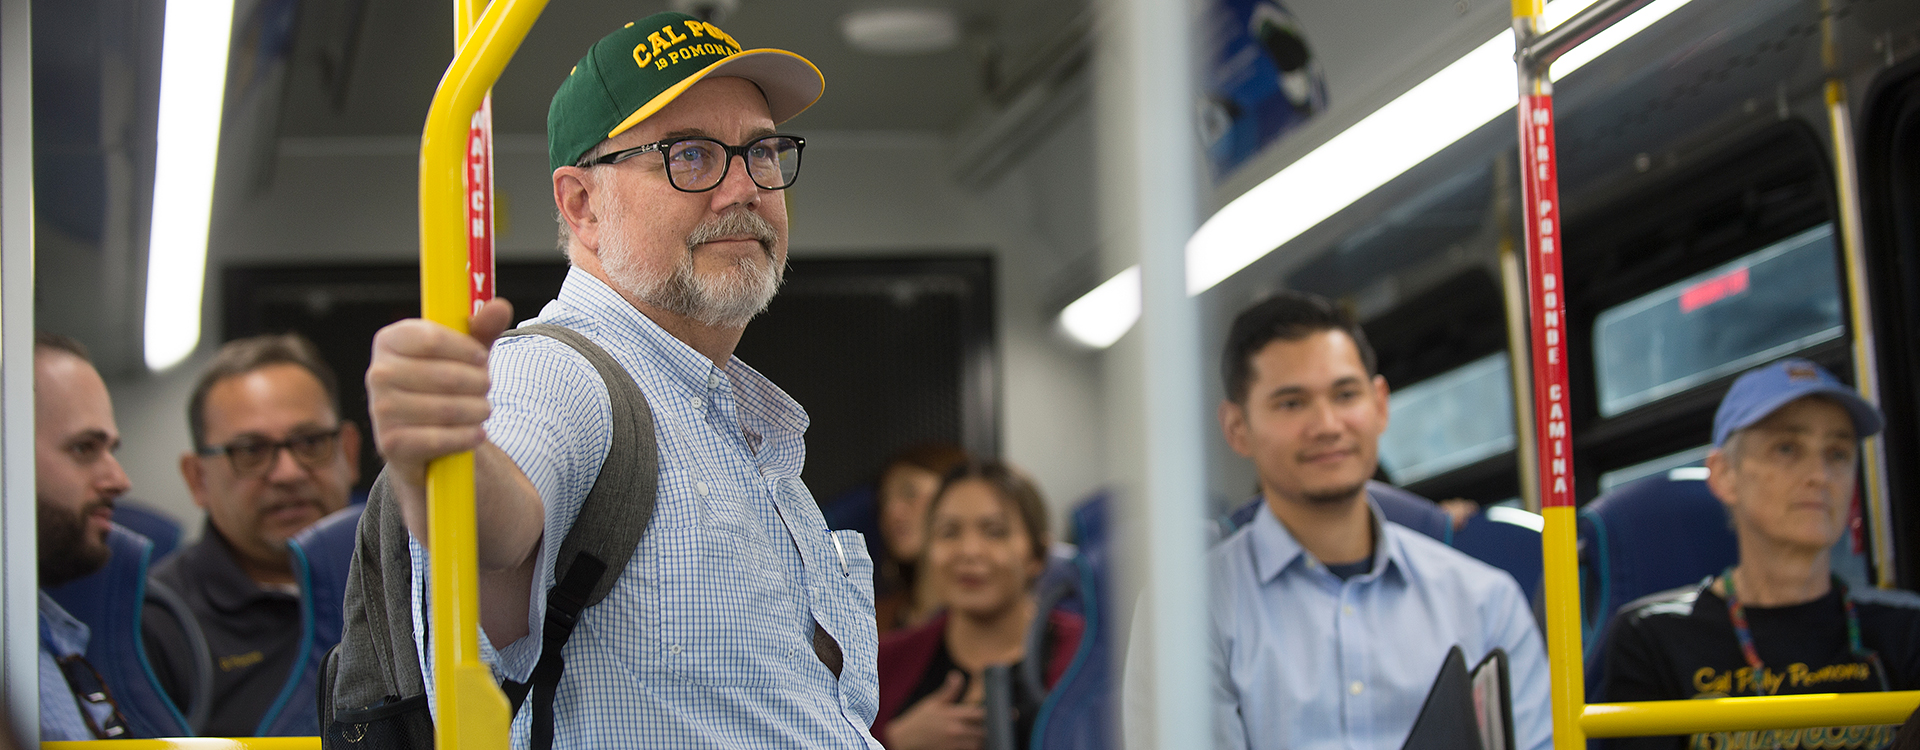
(1735, 714)
(1546, 318)
(192, 743)
(469, 709)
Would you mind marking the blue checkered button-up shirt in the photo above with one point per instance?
(706, 640)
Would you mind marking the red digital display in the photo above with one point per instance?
(1713, 290)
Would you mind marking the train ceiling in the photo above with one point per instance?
(369, 67)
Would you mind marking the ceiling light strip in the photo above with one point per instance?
(193, 82)
(1406, 131)
(1429, 117)
(1102, 316)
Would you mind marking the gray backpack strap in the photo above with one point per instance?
(618, 509)
(378, 696)
(612, 518)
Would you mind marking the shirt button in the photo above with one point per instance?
(1347, 609)
(700, 488)
(1355, 688)
(713, 380)
(675, 650)
(693, 401)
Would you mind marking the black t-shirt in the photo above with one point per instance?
(1680, 644)
(253, 633)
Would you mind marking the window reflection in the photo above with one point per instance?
(1782, 299)
(1449, 420)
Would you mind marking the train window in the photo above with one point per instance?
(1689, 458)
(1773, 302)
(1449, 420)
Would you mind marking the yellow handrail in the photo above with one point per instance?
(469, 709)
(1647, 718)
(1573, 719)
(192, 743)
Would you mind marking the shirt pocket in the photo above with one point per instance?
(845, 606)
(727, 612)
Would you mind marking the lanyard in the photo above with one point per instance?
(1738, 614)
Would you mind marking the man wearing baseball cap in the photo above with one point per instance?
(1786, 443)
(740, 621)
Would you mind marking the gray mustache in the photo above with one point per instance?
(736, 222)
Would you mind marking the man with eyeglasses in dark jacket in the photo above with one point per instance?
(271, 455)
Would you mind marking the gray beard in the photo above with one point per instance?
(726, 300)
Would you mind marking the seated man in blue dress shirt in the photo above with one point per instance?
(740, 621)
(1330, 622)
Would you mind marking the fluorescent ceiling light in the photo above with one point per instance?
(1427, 118)
(193, 83)
(901, 31)
(1102, 316)
(1463, 96)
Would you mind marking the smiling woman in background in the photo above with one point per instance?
(986, 543)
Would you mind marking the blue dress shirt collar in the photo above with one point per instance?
(1275, 550)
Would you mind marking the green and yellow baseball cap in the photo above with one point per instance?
(631, 73)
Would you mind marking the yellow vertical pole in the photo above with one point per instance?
(1866, 372)
(1546, 303)
(469, 709)
(1853, 255)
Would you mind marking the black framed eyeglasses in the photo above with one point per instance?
(696, 165)
(252, 455)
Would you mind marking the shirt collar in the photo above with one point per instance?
(770, 417)
(670, 356)
(1275, 550)
(61, 634)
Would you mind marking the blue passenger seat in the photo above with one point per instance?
(110, 602)
(1506, 538)
(1077, 713)
(321, 555)
(159, 527)
(1647, 536)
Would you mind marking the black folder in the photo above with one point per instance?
(1466, 709)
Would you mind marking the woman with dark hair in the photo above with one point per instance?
(986, 545)
(907, 485)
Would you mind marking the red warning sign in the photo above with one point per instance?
(479, 184)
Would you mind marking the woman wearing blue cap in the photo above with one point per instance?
(1784, 462)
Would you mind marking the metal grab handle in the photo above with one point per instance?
(192, 743)
(1650, 718)
(469, 709)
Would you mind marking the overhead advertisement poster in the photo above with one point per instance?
(1262, 80)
